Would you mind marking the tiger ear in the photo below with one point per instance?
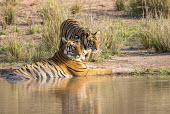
(64, 40)
(97, 33)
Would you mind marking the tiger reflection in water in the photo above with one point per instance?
(64, 95)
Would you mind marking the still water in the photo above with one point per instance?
(90, 95)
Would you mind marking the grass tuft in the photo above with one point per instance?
(8, 14)
(53, 15)
(152, 72)
(2, 33)
(120, 5)
(34, 29)
(15, 49)
(16, 29)
(75, 9)
(153, 8)
(154, 33)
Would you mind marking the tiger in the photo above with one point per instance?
(89, 41)
(67, 62)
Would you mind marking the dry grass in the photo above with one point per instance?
(154, 33)
(139, 8)
(53, 15)
(8, 13)
(114, 35)
(34, 29)
(75, 9)
(15, 48)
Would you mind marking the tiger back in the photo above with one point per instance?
(89, 41)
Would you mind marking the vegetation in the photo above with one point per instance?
(53, 15)
(75, 9)
(17, 50)
(2, 33)
(8, 13)
(15, 29)
(111, 41)
(153, 8)
(152, 33)
(34, 29)
(120, 5)
(152, 72)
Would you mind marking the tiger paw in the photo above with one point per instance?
(101, 67)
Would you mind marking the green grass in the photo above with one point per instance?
(16, 29)
(120, 5)
(15, 48)
(2, 33)
(18, 50)
(34, 29)
(152, 72)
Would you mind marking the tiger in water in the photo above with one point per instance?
(89, 41)
(67, 62)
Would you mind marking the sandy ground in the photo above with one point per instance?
(130, 59)
(135, 60)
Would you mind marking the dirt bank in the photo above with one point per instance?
(131, 60)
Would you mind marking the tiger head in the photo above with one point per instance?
(91, 42)
(72, 49)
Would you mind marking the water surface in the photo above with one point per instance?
(90, 95)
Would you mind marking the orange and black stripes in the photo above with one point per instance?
(52, 67)
(72, 30)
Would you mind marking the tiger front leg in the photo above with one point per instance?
(87, 56)
(100, 71)
(95, 72)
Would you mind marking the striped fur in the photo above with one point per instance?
(71, 30)
(62, 64)
(52, 67)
